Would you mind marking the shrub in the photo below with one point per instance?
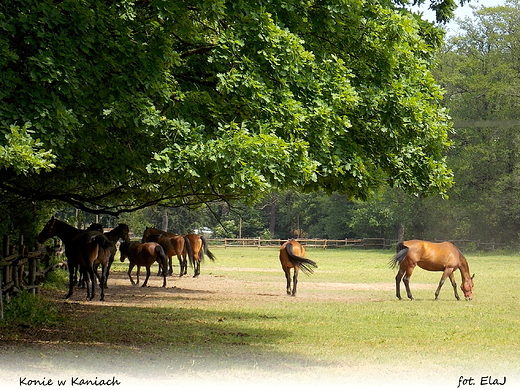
(29, 310)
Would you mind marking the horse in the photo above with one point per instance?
(121, 232)
(430, 256)
(83, 249)
(198, 248)
(173, 245)
(292, 255)
(143, 254)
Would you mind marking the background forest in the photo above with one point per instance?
(479, 69)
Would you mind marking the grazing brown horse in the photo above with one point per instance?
(173, 245)
(292, 255)
(84, 249)
(143, 254)
(443, 256)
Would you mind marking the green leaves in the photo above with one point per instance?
(22, 153)
(163, 102)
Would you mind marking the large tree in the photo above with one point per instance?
(113, 106)
(480, 72)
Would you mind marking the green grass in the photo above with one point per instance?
(327, 324)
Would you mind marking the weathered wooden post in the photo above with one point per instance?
(32, 275)
(4, 252)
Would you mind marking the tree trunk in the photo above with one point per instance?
(164, 222)
(272, 218)
(400, 233)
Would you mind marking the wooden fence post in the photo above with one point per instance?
(4, 254)
(1, 297)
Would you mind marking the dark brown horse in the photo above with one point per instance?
(121, 232)
(443, 256)
(84, 249)
(292, 255)
(197, 248)
(143, 254)
(173, 245)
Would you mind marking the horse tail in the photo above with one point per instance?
(402, 252)
(206, 250)
(302, 262)
(159, 251)
(189, 250)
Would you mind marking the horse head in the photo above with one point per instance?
(467, 287)
(123, 250)
(146, 233)
(48, 231)
(95, 227)
(125, 232)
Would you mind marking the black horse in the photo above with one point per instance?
(84, 249)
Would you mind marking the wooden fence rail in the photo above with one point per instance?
(360, 243)
(366, 243)
(20, 270)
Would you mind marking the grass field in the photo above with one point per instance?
(345, 327)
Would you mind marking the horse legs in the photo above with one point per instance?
(103, 280)
(398, 279)
(183, 265)
(72, 274)
(295, 281)
(130, 268)
(89, 274)
(164, 280)
(170, 266)
(288, 278)
(197, 268)
(148, 275)
(454, 284)
(137, 274)
(448, 272)
(109, 265)
(406, 281)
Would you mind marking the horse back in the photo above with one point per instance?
(433, 256)
(288, 250)
(196, 243)
(87, 247)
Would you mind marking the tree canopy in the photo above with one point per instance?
(114, 106)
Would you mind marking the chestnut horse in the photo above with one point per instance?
(200, 248)
(173, 245)
(431, 256)
(292, 255)
(143, 254)
(197, 248)
(84, 249)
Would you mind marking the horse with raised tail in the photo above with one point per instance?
(292, 255)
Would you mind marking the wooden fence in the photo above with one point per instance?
(20, 270)
(364, 243)
(359, 243)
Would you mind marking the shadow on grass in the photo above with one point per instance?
(154, 341)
